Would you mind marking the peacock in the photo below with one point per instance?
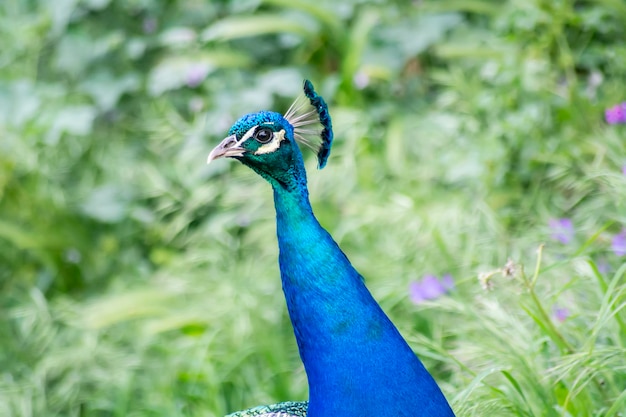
(356, 361)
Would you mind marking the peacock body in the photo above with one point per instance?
(356, 361)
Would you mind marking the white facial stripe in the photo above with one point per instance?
(273, 144)
(248, 135)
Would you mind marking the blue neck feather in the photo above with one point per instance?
(356, 361)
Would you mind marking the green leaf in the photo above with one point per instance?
(175, 72)
(108, 204)
(75, 120)
(262, 24)
(413, 36)
(106, 90)
(178, 36)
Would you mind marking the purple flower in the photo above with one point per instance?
(448, 282)
(430, 288)
(560, 313)
(196, 74)
(618, 244)
(562, 230)
(616, 114)
(415, 292)
(624, 169)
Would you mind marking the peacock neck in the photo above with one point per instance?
(356, 361)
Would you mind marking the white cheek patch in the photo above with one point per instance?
(273, 144)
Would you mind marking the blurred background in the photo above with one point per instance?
(135, 280)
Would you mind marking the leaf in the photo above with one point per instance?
(76, 120)
(517, 388)
(321, 12)
(262, 24)
(178, 36)
(108, 204)
(178, 71)
(19, 102)
(412, 37)
(60, 12)
(106, 90)
(20, 237)
(96, 4)
(77, 50)
(73, 54)
(618, 404)
(286, 82)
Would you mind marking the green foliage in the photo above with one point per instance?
(136, 281)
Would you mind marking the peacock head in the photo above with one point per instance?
(267, 141)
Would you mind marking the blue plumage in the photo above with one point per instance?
(356, 361)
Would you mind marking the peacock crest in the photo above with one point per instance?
(306, 123)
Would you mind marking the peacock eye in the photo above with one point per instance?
(263, 135)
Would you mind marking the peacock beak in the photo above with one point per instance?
(229, 147)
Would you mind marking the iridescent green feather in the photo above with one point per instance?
(286, 409)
